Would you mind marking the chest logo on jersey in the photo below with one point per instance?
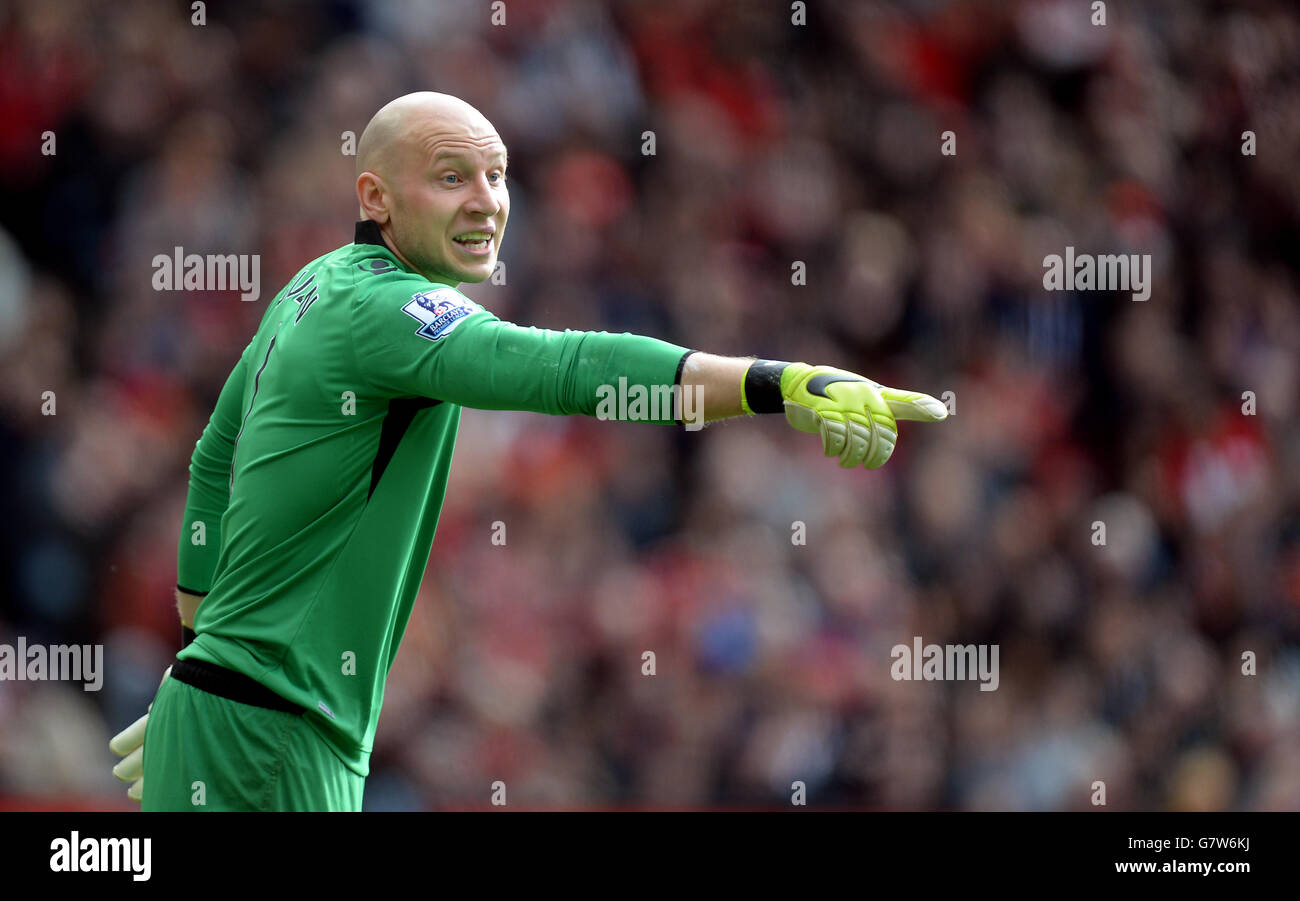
(439, 311)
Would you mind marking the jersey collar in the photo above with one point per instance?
(368, 233)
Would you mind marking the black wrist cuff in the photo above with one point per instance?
(187, 635)
(763, 386)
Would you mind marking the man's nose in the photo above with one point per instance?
(482, 199)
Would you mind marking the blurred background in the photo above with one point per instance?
(775, 143)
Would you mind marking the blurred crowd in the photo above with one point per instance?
(770, 584)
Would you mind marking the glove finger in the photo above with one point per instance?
(886, 439)
(913, 405)
(131, 767)
(884, 429)
(835, 436)
(859, 445)
(129, 738)
(136, 791)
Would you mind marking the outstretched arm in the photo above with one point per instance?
(464, 355)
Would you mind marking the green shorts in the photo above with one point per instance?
(206, 752)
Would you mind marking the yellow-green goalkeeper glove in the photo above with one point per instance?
(129, 745)
(856, 417)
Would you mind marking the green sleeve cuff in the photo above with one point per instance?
(627, 377)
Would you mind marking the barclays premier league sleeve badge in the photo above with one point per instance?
(439, 311)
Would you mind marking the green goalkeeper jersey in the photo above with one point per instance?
(317, 484)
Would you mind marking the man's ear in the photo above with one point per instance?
(372, 197)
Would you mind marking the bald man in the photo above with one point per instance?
(316, 486)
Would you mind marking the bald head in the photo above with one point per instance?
(431, 173)
(406, 130)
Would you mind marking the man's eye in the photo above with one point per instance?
(501, 176)
(450, 175)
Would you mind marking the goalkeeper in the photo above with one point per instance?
(317, 484)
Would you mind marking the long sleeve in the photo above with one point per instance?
(464, 355)
(209, 491)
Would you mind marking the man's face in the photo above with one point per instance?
(450, 203)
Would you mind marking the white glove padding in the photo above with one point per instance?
(129, 745)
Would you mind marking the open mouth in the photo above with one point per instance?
(475, 242)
